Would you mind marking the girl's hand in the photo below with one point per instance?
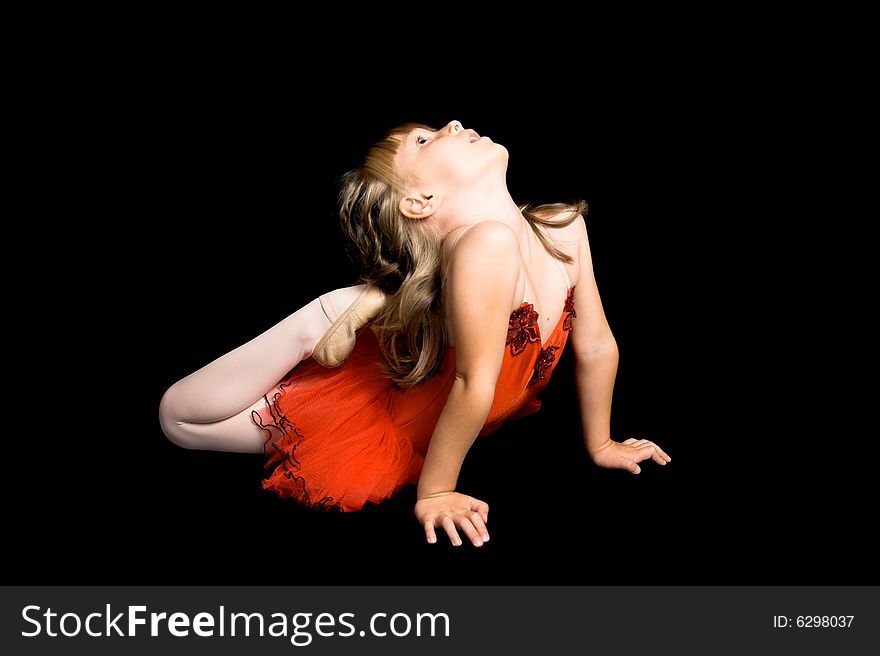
(451, 509)
(626, 454)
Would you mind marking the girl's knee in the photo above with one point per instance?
(171, 418)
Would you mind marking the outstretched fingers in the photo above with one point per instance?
(658, 455)
(648, 449)
(471, 524)
(453, 512)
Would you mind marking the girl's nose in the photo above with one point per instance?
(454, 127)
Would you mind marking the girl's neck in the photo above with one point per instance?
(485, 203)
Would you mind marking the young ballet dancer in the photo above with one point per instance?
(464, 304)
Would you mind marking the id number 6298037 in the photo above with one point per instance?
(813, 621)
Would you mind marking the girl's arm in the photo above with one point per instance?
(481, 288)
(596, 358)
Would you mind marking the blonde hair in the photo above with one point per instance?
(402, 258)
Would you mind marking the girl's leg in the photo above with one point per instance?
(237, 433)
(211, 408)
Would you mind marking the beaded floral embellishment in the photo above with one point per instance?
(522, 329)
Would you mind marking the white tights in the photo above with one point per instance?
(211, 408)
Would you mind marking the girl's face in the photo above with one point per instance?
(448, 158)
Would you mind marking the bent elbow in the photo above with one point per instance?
(600, 347)
(478, 387)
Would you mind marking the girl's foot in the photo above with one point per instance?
(338, 342)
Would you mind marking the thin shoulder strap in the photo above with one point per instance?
(559, 262)
(564, 272)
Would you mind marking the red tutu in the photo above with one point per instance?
(337, 438)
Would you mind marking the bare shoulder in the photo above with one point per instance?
(485, 241)
(483, 272)
(485, 233)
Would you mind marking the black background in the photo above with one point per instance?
(204, 194)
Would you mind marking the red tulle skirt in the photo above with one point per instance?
(339, 437)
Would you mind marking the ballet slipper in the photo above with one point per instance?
(338, 342)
